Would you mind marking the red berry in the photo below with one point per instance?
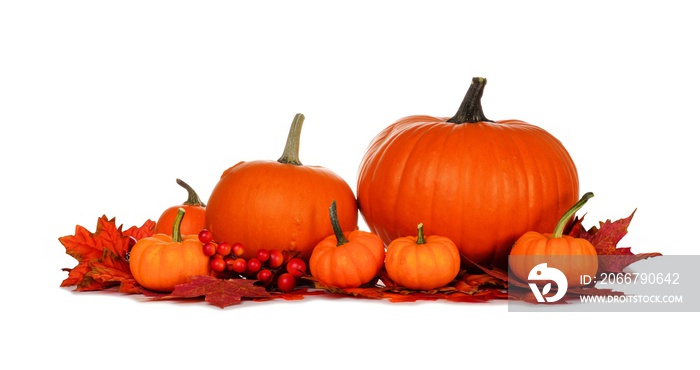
(223, 248)
(286, 282)
(254, 265)
(205, 236)
(239, 265)
(237, 249)
(276, 259)
(262, 255)
(265, 275)
(218, 264)
(209, 249)
(296, 266)
(229, 263)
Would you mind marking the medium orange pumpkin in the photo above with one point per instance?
(192, 223)
(479, 182)
(421, 263)
(572, 256)
(346, 260)
(275, 204)
(160, 262)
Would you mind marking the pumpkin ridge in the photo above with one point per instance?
(432, 261)
(408, 255)
(374, 260)
(341, 264)
(404, 186)
(351, 256)
(453, 134)
(527, 190)
(325, 266)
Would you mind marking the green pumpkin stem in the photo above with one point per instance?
(421, 236)
(336, 225)
(470, 110)
(177, 237)
(192, 197)
(559, 229)
(291, 149)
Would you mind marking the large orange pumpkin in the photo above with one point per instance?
(479, 182)
(279, 204)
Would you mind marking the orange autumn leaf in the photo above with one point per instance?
(108, 272)
(102, 255)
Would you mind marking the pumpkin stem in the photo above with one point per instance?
(192, 197)
(291, 149)
(470, 110)
(559, 229)
(177, 237)
(336, 225)
(421, 236)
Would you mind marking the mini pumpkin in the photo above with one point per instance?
(194, 219)
(160, 262)
(421, 263)
(572, 256)
(346, 260)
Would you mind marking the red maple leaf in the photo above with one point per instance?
(605, 240)
(218, 292)
(101, 256)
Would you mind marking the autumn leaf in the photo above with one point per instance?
(294, 295)
(481, 288)
(606, 238)
(399, 295)
(101, 256)
(474, 283)
(576, 226)
(218, 292)
(108, 272)
(518, 290)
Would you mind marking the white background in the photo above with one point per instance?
(104, 104)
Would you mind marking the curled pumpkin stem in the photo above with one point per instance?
(291, 148)
(336, 225)
(192, 197)
(177, 237)
(559, 229)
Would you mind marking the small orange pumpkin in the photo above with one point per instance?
(194, 220)
(161, 262)
(275, 204)
(421, 263)
(572, 256)
(346, 260)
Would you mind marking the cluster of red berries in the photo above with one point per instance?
(269, 266)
